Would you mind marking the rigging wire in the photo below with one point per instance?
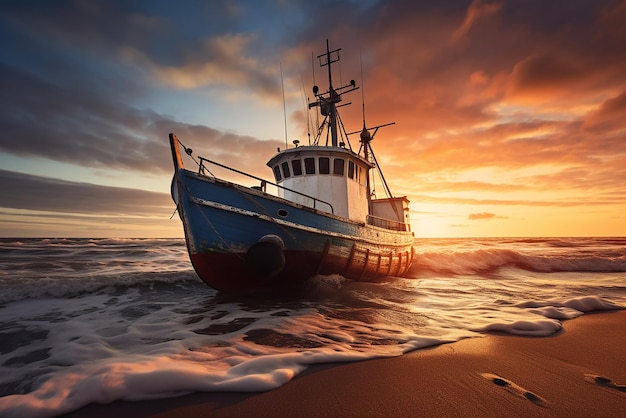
(343, 132)
(189, 152)
(307, 115)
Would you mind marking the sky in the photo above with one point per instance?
(510, 115)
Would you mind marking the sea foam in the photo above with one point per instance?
(109, 320)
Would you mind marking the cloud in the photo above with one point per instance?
(94, 127)
(35, 193)
(76, 121)
(223, 60)
(477, 10)
(78, 105)
(609, 117)
(545, 75)
(87, 26)
(445, 98)
(41, 206)
(481, 216)
(573, 201)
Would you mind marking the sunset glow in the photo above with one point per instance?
(510, 117)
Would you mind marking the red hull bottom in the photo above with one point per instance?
(231, 273)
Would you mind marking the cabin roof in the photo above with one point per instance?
(317, 151)
(392, 199)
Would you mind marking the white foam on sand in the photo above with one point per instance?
(96, 356)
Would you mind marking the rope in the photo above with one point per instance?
(202, 167)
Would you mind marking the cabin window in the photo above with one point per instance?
(361, 177)
(339, 166)
(285, 167)
(277, 173)
(309, 165)
(324, 165)
(351, 169)
(296, 165)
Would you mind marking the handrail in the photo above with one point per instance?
(387, 223)
(263, 181)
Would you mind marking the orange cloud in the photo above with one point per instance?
(542, 76)
(476, 11)
(609, 117)
(482, 215)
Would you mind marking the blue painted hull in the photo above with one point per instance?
(223, 221)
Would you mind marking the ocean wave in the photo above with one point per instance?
(484, 260)
(37, 288)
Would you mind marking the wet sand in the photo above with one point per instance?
(579, 372)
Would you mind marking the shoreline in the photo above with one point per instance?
(577, 372)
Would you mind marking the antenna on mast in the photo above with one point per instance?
(328, 101)
(365, 134)
(362, 85)
(313, 67)
(282, 84)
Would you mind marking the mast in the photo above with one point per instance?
(365, 141)
(328, 100)
(328, 104)
(334, 97)
(328, 62)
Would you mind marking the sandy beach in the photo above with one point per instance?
(581, 371)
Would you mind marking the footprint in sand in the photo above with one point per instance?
(515, 389)
(605, 382)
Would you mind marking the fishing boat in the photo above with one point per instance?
(318, 216)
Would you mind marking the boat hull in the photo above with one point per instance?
(241, 239)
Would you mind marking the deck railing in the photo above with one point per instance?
(387, 223)
(202, 171)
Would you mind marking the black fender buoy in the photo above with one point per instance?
(266, 257)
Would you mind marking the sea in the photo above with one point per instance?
(100, 320)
